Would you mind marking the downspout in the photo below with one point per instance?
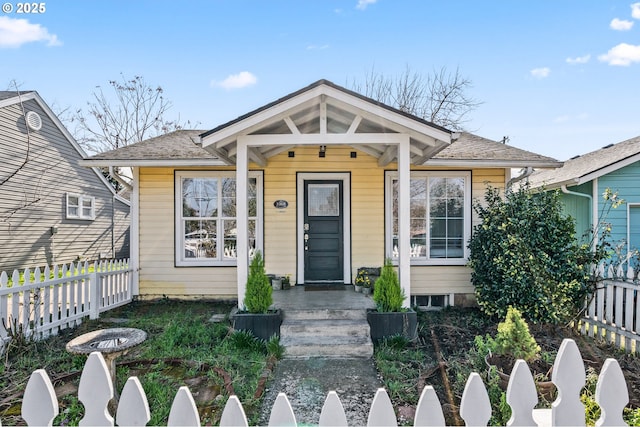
(525, 174)
(586, 196)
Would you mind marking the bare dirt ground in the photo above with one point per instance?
(453, 331)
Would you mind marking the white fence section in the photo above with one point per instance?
(613, 314)
(40, 406)
(46, 301)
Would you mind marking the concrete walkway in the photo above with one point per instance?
(306, 382)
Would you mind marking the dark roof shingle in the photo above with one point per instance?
(579, 167)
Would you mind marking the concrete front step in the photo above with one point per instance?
(316, 327)
(325, 314)
(327, 346)
(327, 333)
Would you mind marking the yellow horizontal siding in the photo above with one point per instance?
(441, 280)
(159, 276)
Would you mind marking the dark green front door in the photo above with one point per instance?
(323, 231)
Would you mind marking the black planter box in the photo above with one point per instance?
(262, 326)
(386, 324)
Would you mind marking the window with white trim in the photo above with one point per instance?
(80, 207)
(206, 217)
(439, 216)
(634, 227)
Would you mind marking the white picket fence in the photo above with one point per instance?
(613, 314)
(52, 299)
(40, 405)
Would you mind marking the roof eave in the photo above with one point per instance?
(493, 163)
(150, 163)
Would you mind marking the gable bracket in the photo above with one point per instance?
(388, 155)
(292, 126)
(354, 124)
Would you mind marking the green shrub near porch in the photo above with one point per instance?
(524, 254)
(259, 293)
(387, 293)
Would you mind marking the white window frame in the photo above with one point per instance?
(180, 260)
(80, 207)
(630, 206)
(388, 204)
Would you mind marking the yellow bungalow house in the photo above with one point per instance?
(322, 181)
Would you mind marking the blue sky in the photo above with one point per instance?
(557, 77)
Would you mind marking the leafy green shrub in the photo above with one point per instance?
(258, 297)
(387, 293)
(524, 254)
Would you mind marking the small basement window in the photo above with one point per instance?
(431, 302)
(80, 207)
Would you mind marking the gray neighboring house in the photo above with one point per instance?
(52, 210)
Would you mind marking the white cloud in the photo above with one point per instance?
(16, 32)
(569, 118)
(362, 4)
(620, 24)
(635, 10)
(623, 54)
(579, 59)
(236, 81)
(540, 73)
(317, 47)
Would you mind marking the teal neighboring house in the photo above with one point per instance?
(584, 179)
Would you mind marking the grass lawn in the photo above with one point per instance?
(182, 348)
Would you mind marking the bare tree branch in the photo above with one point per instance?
(440, 97)
(137, 112)
(26, 157)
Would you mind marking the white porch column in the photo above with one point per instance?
(242, 221)
(404, 235)
(134, 233)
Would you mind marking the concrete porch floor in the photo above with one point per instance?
(298, 298)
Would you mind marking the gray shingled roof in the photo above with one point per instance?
(470, 147)
(177, 145)
(588, 164)
(180, 145)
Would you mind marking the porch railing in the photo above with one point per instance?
(40, 405)
(40, 302)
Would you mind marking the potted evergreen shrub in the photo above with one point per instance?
(262, 322)
(390, 318)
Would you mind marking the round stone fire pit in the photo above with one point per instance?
(111, 342)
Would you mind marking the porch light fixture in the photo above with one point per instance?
(323, 151)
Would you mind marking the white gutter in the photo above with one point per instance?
(114, 174)
(527, 172)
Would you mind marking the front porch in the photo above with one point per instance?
(298, 298)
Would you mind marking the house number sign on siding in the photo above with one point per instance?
(281, 204)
